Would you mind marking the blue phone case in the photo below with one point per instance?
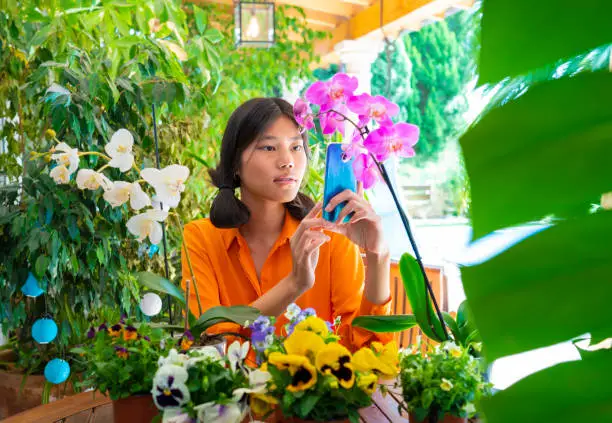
(339, 176)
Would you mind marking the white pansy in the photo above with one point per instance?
(169, 387)
(120, 150)
(293, 311)
(204, 353)
(60, 174)
(92, 180)
(176, 416)
(175, 358)
(168, 182)
(67, 156)
(228, 413)
(257, 384)
(122, 191)
(236, 353)
(606, 201)
(147, 225)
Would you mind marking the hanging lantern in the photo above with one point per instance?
(57, 371)
(44, 330)
(254, 24)
(31, 288)
(151, 304)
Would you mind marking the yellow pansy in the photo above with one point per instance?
(115, 330)
(304, 377)
(284, 361)
(390, 356)
(261, 404)
(334, 359)
(367, 382)
(365, 360)
(307, 344)
(312, 324)
(446, 385)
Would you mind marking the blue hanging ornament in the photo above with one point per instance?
(152, 250)
(44, 330)
(31, 288)
(57, 371)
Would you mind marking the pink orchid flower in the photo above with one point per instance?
(398, 139)
(330, 93)
(365, 170)
(378, 108)
(355, 147)
(303, 114)
(332, 121)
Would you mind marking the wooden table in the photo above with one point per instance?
(87, 408)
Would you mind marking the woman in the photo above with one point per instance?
(271, 248)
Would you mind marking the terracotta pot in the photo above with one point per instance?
(135, 409)
(446, 419)
(13, 402)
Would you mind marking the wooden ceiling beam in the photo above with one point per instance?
(329, 7)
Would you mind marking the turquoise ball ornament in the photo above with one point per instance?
(57, 371)
(44, 330)
(31, 288)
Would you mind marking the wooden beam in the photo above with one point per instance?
(330, 7)
(362, 3)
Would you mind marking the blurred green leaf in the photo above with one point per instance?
(160, 284)
(395, 323)
(220, 314)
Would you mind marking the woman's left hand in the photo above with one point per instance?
(364, 227)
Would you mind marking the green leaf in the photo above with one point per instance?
(578, 391)
(527, 148)
(549, 288)
(454, 328)
(159, 284)
(512, 34)
(308, 403)
(41, 36)
(213, 35)
(221, 314)
(396, 323)
(200, 18)
(42, 263)
(416, 290)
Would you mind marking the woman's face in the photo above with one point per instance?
(273, 166)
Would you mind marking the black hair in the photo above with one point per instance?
(246, 124)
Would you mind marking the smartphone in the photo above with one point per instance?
(339, 176)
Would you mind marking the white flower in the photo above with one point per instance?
(606, 201)
(211, 412)
(122, 191)
(204, 353)
(173, 358)
(169, 387)
(168, 182)
(293, 310)
(147, 225)
(257, 384)
(90, 179)
(469, 409)
(120, 150)
(236, 353)
(175, 415)
(60, 174)
(67, 156)
(446, 385)
(453, 349)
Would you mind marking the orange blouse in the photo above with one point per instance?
(226, 275)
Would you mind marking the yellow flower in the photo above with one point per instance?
(115, 330)
(186, 344)
(367, 382)
(50, 133)
(304, 374)
(446, 385)
(312, 324)
(455, 352)
(261, 404)
(389, 355)
(365, 360)
(334, 359)
(304, 343)
(130, 333)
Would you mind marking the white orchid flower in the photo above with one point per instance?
(236, 353)
(258, 380)
(92, 180)
(67, 156)
(120, 150)
(168, 182)
(122, 191)
(217, 413)
(147, 225)
(60, 174)
(170, 387)
(175, 358)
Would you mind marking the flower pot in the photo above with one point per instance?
(448, 418)
(134, 409)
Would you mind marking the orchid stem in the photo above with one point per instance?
(102, 168)
(94, 153)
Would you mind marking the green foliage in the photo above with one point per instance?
(430, 70)
(555, 107)
(446, 380)
(122, 363)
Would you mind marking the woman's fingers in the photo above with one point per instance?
(345, 195)
(350, 207)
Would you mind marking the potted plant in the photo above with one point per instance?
(442, 384)
(313, 376)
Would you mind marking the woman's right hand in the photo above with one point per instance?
(305, 244)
